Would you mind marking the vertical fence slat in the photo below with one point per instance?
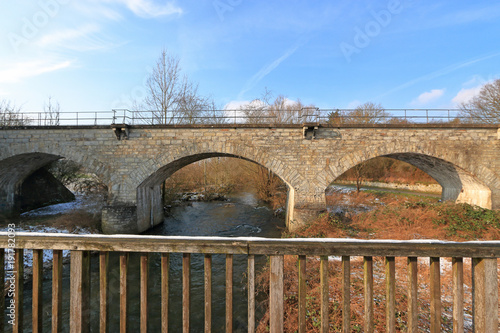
(302, 294)
(19, 286)
(144, 292)
(103, 292)
(186, 283)
(435, 289)
(229, 293)
(165, 263)
(57, 265)
(123, 292)
(37, 296)
(2, 278)
(79, 291)
(478, 294)
(458, 295)
(368, 287)
(412, 294)
(208, 293)
(324, 293)
(276, 290)
(390, 287)
(346, 294)
(251, 293)
(491, 295)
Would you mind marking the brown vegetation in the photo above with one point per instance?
(392, 217)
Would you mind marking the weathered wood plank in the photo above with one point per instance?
(124, 305)
(251, 293)
(37, 292)
(208, 293)
(435, 289)
(57, 266)
(233, 246)
(276, 294)
(186, 285)
(346, 294)
(79, 292)
(302, 294)
(491, 295)
(144, 270)
(458, 295)
(324, 287)
(368, 287)
(103, 292)
(229, 293)
(165, 263)
(19, 287)
(390, 290)
(412, 294)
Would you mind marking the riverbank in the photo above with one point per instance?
(424, 188)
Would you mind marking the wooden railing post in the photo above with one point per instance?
(368, 286)
(390, 287)
(124, 304)
(186, 285)
(37, 296)
(103, 292)
(412, 294)
(18, 296)
(276, 293)
(165, 263)
(208, 293)
(57, 265)
(79, 312)
(144, 270)
(458, 295)
(325, 326)
(2, 278)
(435, 289)
(346, 294)
(251, 293)
(302, 294)
(485, 286)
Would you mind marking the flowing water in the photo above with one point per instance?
(243, 215)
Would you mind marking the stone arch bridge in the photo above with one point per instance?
(134, 160)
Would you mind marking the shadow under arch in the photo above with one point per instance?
(457, 183)
(149, 195)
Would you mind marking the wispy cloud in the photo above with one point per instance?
(439, 73)
(84, 38)
(428, 96)
(264, 71)
(21, 70)
(148, 8)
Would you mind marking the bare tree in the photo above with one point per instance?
(171, 97)
(484, 107)
(280, 110)
(11, 115)
(367, 113)
(51, 112)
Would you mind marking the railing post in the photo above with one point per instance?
(57, 265)
(208, 293)
(412, 294)
(165, 263)
(324, 294)
(19, 286)
(186, 285)
(346, 294)
(485, 293)
(368, 287)
(302, 294)
(37, 296)
(2, 278)
(251, 293)
(229, 293)
(144, 270)
(390, 285)
(458, 295)
(103, 291)
(276, 290)
(435, 289)
(79, 312)
(124, 304)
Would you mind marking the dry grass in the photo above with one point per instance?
(394, 217)
(76, 219)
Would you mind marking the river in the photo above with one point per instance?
(242, 215)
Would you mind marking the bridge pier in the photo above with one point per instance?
(302, 208)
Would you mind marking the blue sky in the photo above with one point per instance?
(96, 54)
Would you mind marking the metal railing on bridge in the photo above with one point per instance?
(331, 117)
(484, 288)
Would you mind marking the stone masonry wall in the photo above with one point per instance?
(462, 158)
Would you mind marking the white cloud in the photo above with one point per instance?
(21, 70)
(148, 8)
(428, 96)
(79, 39)
(464, 95)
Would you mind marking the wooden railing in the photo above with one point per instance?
(484, 271)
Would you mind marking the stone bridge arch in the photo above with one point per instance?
(22, 160)
(461, 176)
(147, 180)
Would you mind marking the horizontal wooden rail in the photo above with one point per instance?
(483, 268)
